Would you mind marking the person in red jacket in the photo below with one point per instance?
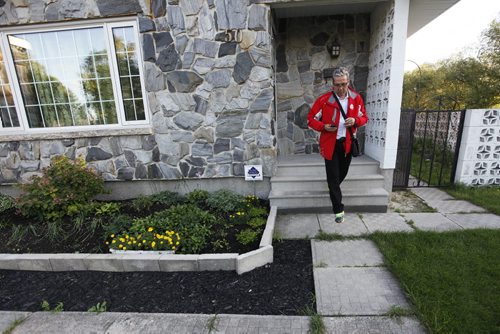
(335, 141)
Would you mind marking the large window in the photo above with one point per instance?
(64, 78)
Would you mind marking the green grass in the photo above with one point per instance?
(452, 278)
(486, 197)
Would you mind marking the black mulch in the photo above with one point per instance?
(284, 287)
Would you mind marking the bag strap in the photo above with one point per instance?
(343, 113)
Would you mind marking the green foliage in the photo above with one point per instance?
(485, 196)
(460, 82)
(98, 308)
(247, 236)
(225, 201)
(64, 189)
(198, 197)
(108, 209)
(6, 203)
(46, 307)
(165, 198)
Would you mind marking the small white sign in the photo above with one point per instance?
(253, 173)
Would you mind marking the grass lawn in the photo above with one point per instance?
(486, 197)
(452, 278)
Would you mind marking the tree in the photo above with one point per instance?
(459, 82)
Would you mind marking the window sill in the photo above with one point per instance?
(77, 134)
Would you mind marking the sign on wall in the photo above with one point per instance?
(253, 173)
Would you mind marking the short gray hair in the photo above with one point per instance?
(340, 72)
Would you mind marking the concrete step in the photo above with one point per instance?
(314, 166)
(318, 182)
(355, 200)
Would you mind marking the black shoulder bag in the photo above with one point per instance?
(355, 151)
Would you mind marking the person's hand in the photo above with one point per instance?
(330, 127)
(350, 121)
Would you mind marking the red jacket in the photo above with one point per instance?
(325, 110)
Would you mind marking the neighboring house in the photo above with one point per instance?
(192, 90)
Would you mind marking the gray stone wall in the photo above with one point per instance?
(304, 68)
(211, 101)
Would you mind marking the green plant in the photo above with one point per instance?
(6, 203)
(46, 307)
(316, 324)
(13, 326)
(198, 197)
(142, 203)
(150, 239)
(225, 201)
(398, 311)
(107, 209)
(98, 308)
(247, 236)
(64, 189)
(212, 323)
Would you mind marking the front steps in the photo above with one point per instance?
(300, 186)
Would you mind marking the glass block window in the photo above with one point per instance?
(75, 77)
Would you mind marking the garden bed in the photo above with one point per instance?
(283, 287)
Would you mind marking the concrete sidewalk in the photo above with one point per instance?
(354, 290)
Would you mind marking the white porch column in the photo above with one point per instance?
(385, 81)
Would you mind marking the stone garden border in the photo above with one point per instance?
(146, 262)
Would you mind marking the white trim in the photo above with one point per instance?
(107, 24)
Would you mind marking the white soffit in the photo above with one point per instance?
(423, 12)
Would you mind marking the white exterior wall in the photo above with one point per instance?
(385, 81)
(479, 157)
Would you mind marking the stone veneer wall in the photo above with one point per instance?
(304, 67)
(211, 102)
(479, 158)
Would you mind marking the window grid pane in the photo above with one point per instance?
(126, 57)
(66, 80)
(8, 114)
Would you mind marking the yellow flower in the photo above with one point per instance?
(130, 242)
(177, 243)
(113, 241)
(139, 244)
(143, 241)
(107, 243)
(122, 239)
(120, 246)
(124, 248)
(126, 236)
(161, 242)
(112, 235)
(150, 229)
(153, 244)
(134, 242)
(159, 236)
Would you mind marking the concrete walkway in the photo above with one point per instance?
(354, 290)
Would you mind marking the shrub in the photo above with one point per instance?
(225, 201)
(198, 197)
(6, 203)
(165, 198)
(247, 236)
(64, 189)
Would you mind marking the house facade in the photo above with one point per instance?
(177, 94)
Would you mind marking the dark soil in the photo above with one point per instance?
(283, 287)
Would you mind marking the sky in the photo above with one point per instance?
(451, 32)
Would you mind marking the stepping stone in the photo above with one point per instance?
(455, 206)
(296, 226)
(352, 225)
(385, 222)
(431, 221)
(476, 220)
(408, 325)
(347, 253)
(431, 194)
(356, 291)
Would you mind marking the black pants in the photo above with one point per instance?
(336, 171)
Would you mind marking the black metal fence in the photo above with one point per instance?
(429, 143)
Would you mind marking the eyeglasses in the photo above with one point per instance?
(342, 84)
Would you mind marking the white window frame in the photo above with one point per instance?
(107, 25)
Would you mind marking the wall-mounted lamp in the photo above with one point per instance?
(334, 49)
